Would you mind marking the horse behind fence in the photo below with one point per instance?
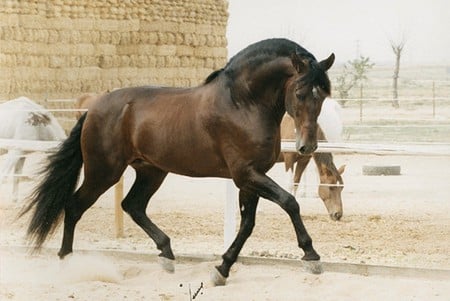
(23, 119)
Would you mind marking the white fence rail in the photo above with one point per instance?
(230, 222)
(428, 149)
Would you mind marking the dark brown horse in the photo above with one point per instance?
(228, 127)
(331, 182)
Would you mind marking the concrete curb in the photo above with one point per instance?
(335, 267)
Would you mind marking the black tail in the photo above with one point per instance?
(60, 177)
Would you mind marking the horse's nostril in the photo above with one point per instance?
(336, 216)
(307, 149)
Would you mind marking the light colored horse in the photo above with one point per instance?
(85, 101)
(331, 182)
(23, 119)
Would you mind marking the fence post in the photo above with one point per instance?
(118, 213)
(229, 231)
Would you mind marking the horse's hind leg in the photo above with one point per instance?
(148, 180)
(248, 202)
(94, 185)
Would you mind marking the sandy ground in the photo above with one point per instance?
(96, 277)
(388, 220)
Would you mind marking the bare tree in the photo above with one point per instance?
(397, 47)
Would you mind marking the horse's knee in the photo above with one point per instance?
(289, 204)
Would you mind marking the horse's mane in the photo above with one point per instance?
(212, 76)
(256, 54)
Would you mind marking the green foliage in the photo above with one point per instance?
(354, 73)
(360, 67)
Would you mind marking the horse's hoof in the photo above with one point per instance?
(313, 266)
(217, 278)
(167, 264)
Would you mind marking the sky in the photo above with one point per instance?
(348, 28)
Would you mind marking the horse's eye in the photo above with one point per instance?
(315, 92)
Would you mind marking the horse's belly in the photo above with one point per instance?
(192, 157)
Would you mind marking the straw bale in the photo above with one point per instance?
(166, 50)
(9, 19)
(83, 24)
(62, 47)
(104, 49)
(183, 50)
(158, 26)
(104, 25)
(203, 52)
(160, 62)
(53, 36)
(60, 23)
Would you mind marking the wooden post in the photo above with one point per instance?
(118, 213)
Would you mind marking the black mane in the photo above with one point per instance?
(265, 50)
(256, 54)
(253, 55)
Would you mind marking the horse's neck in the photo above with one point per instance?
(265, 84)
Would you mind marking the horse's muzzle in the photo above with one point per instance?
(307, 148)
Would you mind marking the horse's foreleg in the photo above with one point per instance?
(147, 182)
(247, 204)
(268, 189)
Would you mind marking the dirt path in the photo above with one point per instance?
(398, 221)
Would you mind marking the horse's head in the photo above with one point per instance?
(330, 189)
(305, 94)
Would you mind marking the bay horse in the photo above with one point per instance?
(227, 127)
(23, 119)
(331, 182)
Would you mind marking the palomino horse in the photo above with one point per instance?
(227, 127)
(23, 119)
(85, 101)
(331, 183)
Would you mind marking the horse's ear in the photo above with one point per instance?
(300, 65)
(327, 63)
(341, 169)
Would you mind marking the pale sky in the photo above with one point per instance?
(347, 27)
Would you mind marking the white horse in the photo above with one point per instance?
(23, 119)
(330, 120)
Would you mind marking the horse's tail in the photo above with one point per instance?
(60, 177)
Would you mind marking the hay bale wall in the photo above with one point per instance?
(64, 48)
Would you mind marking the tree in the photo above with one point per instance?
(397, 47)
(360, 67)
(354, 73)
(345, 82)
